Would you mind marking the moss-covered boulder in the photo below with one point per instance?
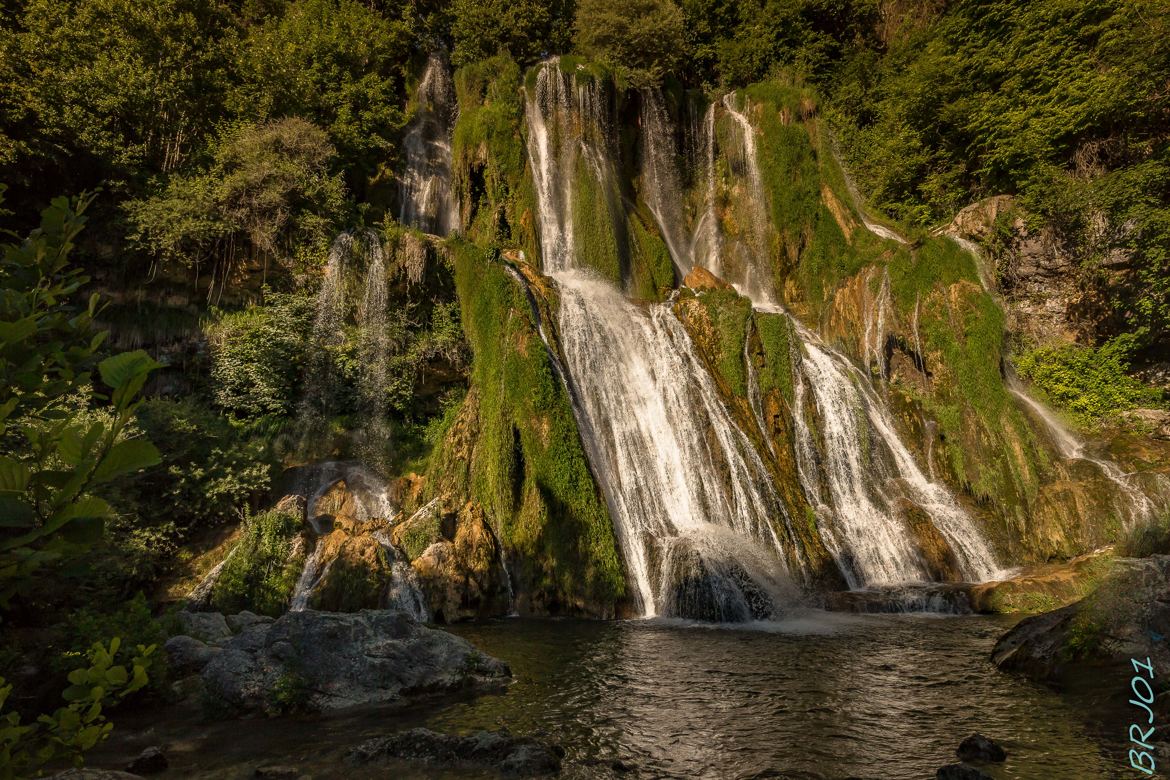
(261, 572)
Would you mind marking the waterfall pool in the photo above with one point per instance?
(822, 695)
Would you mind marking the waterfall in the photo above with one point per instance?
(707, 241)
(657, 433)
(373, 323)
(702, 529)
(307, 582)
(427, 201)
(404, 592)
(662, 190)
(746, 267)
(1138, 505)
(865, 467)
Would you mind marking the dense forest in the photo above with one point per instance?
(176, 175)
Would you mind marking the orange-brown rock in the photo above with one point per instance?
(700, 278)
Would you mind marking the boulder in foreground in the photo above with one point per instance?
(493, 750)
(318, 661)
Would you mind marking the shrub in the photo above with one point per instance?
(1091, 383)
(646, 38)
(132, 622)
(262, 571)
(258, 355)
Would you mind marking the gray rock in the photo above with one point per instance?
(1117, 622)
(210, 627)
(961, 772)
(149, 762)
(979, 748)
(187, 655)
(319, 661)
(498, 750)
(279, 773)
(94, 774)
(245, 619)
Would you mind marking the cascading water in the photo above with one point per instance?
(1137, 505)
(427, 201)
(657, 432)
(661, 189)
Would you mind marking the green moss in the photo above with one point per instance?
(528, 468)
(262, 571)
(775, 333)
(728, 314)
(353, 584)
(651, 269)
(421, 533)
(488, 149)
(596, 224)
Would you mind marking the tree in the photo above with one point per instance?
(268, 195)
(646, 38)
(51, 461)
(526, 29)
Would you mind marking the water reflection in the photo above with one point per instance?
(821, 696)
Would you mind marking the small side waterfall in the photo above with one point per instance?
(1137, 505)
(427, 201)
(661, 189)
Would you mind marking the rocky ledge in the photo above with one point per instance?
(1126, 617)
(492, 750)
(318, 661)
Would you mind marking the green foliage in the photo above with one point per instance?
(1060, 102)
(341, 64)
(258, 355)
(645, 38)
(729, 314)
(528, 468)
(131, 620)
(69, 732)
(213, 470)
(53, 461)
(523, 30)
(1090, 383)
(268, 194)
(776, 339)
(262, 571)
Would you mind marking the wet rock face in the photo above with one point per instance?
(1127, 617)
(1036, 275)
(318, 661)
(979, 748)
(493, 750)
(457, 562)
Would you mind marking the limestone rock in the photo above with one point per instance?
(979, 748)
(700, 278)
(150, 761)
(209, 627)
(187, 655)
(1155, 421)
(961, 772)
(1126, 617)
(496, 750)
(242, 620)
(321, 661)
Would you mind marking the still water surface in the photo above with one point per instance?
(825, 696)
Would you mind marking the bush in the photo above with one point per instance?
(1090, 383)
(258, 355)
(262, 571)
(132, 622)
(646, 38)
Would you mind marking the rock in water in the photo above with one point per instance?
(320, 661)
(498, 750)
(149, 762)
(1119, 621)
(979, 748)
(961, 772)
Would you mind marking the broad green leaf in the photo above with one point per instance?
(13, 476)
(16, 513)
(118, 370)
(125, 457)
